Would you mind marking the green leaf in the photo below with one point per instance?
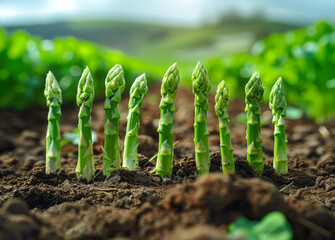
(74, 137)
(273, 226)
(293, 113)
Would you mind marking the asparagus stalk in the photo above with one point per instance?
(278, 105)
(201, 87)
(222, 100)
(170, 83)
(137, 93)
(53, 95)
(254, 93)
(115, 85)
(85, 95)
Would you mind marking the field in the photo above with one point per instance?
(139, 205)
(158, 44)
(142, 205)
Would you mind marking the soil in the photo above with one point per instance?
(140, 205)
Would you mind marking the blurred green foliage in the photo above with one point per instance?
(25, 61)
(304, 58)
(273, 226)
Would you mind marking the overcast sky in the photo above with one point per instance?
(171, 12)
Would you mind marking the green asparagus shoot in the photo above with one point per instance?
(201, 87)
(53, 95)
(254, 93)
(169, 86)
(137, 93)
(222, 100)
(115, 85)
(85, 95)
(278, 106)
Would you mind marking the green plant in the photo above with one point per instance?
(24, 60)
(85, 95)
(73, 137)
(115, 84)
(278, 105)
(253, 95)
(222, 100)
(137, 93)
(273, 226)
(53, 95)
(169, 86)
(201, 87)
(303, 57)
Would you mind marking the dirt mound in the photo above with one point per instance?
(189, 211)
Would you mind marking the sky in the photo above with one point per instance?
(168, 12)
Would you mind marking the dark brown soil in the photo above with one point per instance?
(139, 205)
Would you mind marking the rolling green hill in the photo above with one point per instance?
(165, 44)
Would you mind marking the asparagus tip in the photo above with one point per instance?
(200, 80)
(254, 89)
(85, 89)
(114, 81)
(52, 89)
(277, 101)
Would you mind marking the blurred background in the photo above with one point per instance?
(233, 39)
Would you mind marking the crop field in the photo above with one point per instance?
(114, 130)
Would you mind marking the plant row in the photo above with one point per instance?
(24, 59)
(114, 87)
(304, 58)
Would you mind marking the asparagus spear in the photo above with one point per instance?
(115, 85)
(201, 87)
(53, 95)
(254, 93)
(137, 93)
(278, 105)
(170, 83)
(222, 100)
(85, 95)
